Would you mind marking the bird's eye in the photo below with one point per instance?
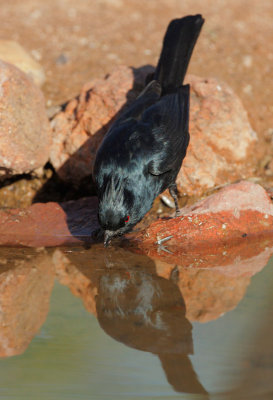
(127, 219)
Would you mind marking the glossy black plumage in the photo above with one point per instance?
(143, 151)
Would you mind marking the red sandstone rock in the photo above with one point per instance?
(26, 282)
(25, 134)
(49, 224)
(222, 142)
(235, 214)
(221, 146)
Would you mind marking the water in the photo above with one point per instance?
(110, 324)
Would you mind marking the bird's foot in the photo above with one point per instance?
(161, 247)
(174, 193)
(178, 213)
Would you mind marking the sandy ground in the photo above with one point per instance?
(76, 41)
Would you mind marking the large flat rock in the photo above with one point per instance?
(237, 213)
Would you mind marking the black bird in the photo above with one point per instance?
(143, 150)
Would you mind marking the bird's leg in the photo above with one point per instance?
(160, 241)
(173, 192)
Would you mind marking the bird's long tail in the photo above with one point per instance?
(178, 44)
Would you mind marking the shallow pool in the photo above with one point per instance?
(110, 324)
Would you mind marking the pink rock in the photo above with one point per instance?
(238, 197)
(222, 141)
(49, 224)
(25, 134)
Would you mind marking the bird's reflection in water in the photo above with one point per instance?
(147, 312)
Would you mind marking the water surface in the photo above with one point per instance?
(96, 324)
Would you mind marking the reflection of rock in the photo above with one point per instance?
(213, 284)
(208, 294)
(79, 284)
(24, 128)
(137, 307)
(26, 282)
(212, 281)
(219, 129)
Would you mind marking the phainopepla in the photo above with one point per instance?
(143, 150)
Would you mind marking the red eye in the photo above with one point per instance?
(127, 218)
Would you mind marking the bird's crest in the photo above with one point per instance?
(114, 191)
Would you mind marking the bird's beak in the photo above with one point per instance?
(107, 237)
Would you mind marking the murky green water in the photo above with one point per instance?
(118, 327)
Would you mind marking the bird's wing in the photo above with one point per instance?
(169, 119)
(116, 143)
(150, 95)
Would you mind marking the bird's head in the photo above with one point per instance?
(118, 210)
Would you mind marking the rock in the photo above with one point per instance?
(222, 141)
(26, 282)
(24, 128)
(13, 53)
(19, 193)
(79, 129)
(49, 224)
(235, 214)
